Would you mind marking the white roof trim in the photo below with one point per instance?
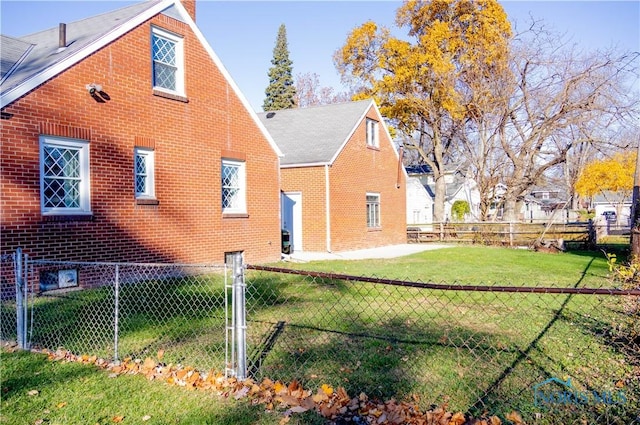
(346, 140)
(227, 76)
(384, 126)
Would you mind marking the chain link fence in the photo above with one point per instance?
(563, 354)
(114, 311)
(557, 355)
(8, 320)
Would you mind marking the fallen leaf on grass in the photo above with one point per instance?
(515, 418)
(117, 419)
(149, 363)
(33, 392)
(457, 419)
(327, 389)
(278, 387)
(298, 409)
(288, 400)
(61, 405)
(320, 397)
(146, 418)
(285, 420)
(241, 393)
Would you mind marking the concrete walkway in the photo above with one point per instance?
(391, 251)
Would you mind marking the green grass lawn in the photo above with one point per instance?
(479, 351)
(38, 391)
(476, 350)
(479, 265)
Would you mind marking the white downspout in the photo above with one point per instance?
(327, 206)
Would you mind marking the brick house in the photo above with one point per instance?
(343, 185)
(125, 139)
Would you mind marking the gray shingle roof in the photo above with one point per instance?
(13, 51)
(314, 135)
(32, 60)
(45, 53)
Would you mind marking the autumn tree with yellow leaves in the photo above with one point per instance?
(612, 178)
(427, 86)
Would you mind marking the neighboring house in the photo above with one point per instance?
(125, 139)
(343, 185)
(544, 204)
(420, 200)
(612, 209)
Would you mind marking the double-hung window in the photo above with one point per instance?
(233, 187)
(168, 61)
(372, 133)
(64, 176)
(144, 172)
(373, 210)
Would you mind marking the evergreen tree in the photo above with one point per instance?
(281, 90)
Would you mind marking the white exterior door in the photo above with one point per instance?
(292, 218)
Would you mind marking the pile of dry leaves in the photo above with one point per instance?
(333, 404)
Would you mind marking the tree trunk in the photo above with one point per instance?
(509, 210)
(438, 202)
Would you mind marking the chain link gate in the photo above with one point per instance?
(181, 313)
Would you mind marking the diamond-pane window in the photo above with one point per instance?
(167, 61)
(141, 174)
(64, 176)
(144, 173)
(233, 187)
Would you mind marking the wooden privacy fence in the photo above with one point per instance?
(578, 234)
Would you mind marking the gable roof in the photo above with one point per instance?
(315, 135)
(44, 58)
(29, 61)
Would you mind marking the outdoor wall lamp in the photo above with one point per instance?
(93, 88)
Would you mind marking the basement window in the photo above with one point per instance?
(58, 279)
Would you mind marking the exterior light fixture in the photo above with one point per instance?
(93, 88)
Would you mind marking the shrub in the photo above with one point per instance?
(459, 209)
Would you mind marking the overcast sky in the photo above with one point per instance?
(243, 33)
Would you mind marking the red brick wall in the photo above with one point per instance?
(357, 170)
(311, 182)
(188, 137)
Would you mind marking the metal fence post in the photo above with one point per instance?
(21, 326)
(239, 314)
(116, 313)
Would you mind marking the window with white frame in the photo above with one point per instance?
(372, 133)
(233, 187)
(144, 173)
(64, 176)
(373, 210)
(168, 61)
